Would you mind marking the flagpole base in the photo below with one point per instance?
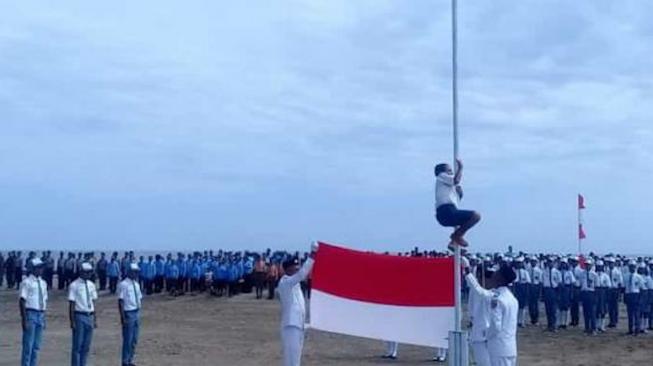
(458, 349)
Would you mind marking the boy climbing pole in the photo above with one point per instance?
(448, 194)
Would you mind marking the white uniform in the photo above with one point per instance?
(35, 293)
(83, 294)
(445, 190)
(480, 301)
(502, 333)
(129, 291)
(293, 314)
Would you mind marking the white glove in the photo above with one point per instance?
(314, 246)
(464, 261)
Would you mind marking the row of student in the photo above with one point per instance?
(567, 285)
(82, 295)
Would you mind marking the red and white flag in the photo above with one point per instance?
(386, 297)
(581, 202)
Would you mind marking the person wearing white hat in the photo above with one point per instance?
(588, 282)
(643, 298)
(33, 304)
(614, 292)
(633, 284)
(602, 287)
(82, 295)
(521, 286)
(566, 288)
(534, 291)
(130, 299)
(551, 279)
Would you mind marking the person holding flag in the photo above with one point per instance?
(293, 307)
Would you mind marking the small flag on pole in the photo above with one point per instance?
(581, 232)
(581, 202)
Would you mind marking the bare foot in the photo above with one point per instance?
(458, 240)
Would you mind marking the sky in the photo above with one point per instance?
(247, 125)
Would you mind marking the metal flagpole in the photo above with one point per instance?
(458, 347)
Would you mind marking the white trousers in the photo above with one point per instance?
(391, 348)
(503, 361)
(292, 340)
(481, 354)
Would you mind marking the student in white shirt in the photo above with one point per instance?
(448, 193)
(480, 307)
(293, 308)
(83, 319)
(130, 299)
(33, 304)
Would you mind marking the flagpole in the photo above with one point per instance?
(458, 348)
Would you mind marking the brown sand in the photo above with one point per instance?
(199, 330)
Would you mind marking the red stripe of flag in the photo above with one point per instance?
(384, 279)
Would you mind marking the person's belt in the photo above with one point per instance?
(87, 313)
(131, 311)
(35, 311)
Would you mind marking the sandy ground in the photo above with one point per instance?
(199, 330)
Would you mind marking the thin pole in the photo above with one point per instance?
(578, 232)
(454, 86)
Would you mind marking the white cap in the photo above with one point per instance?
(563, 260)
(650, 262)
(599, 262)
(36, 262)
(508, 259)
(609, 259)
(134, 267)
(519, 259)
(589, 261)
(632, 262)
(642, 265)
(87, 267)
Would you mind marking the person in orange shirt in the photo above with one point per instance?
(260, 274)
(274, 273)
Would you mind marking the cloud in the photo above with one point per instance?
(344, 106)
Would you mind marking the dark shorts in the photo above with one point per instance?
(449, 215)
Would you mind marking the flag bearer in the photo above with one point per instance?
(293, 308)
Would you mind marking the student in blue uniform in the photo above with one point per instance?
(633, 284)
(160, 274)
(113, 273)
(551, 279)
(588, 281)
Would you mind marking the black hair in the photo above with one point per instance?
(440, 168)
(507, 274)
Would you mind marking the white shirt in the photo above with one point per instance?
(445, 190)
(32, 294)
(588, 280)
(77, 293)
(522, 276)
(577, 273)
(293, 305)
(551, 277)
(635, 285)
(502, 333)
(536, 275)
(568, 278)
(480, 300)
(604, 280)
(129, 291)
(617, 278)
